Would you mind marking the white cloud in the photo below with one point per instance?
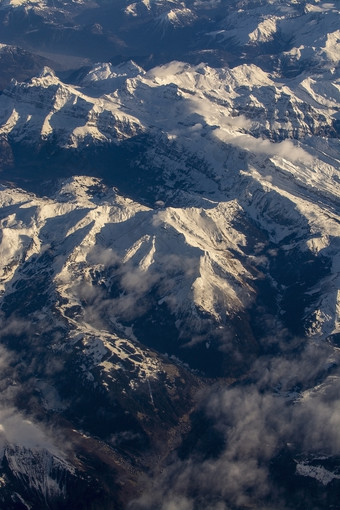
(285, 149)
(255, 421)
(20, 431)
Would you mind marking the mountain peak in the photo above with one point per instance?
(106, 72)
(169, 254)
(47, 72)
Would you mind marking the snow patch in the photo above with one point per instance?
(319, 473)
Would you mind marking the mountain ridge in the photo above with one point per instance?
(169, 255)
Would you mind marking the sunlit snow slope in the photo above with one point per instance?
(232, 161)
(169, 255)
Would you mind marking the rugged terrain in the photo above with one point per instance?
(170, 306)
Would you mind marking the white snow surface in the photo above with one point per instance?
(37, 468)
(19, 3)
(152, 244)
(288, 182)
(235, 106)
(320, 473)
(312, 29)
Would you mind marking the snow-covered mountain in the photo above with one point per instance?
(169, 255)
(237, 139)
(286, 35)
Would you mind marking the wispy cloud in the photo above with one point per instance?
(285, 149)
(255, 421)
(16, 429)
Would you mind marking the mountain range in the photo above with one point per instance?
(170, 268)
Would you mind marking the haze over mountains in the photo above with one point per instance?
(170, 306)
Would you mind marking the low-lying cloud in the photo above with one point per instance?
(255, 421)
(16, 429)
(285, 149)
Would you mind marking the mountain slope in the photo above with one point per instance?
(258, 154)
(169, 255)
